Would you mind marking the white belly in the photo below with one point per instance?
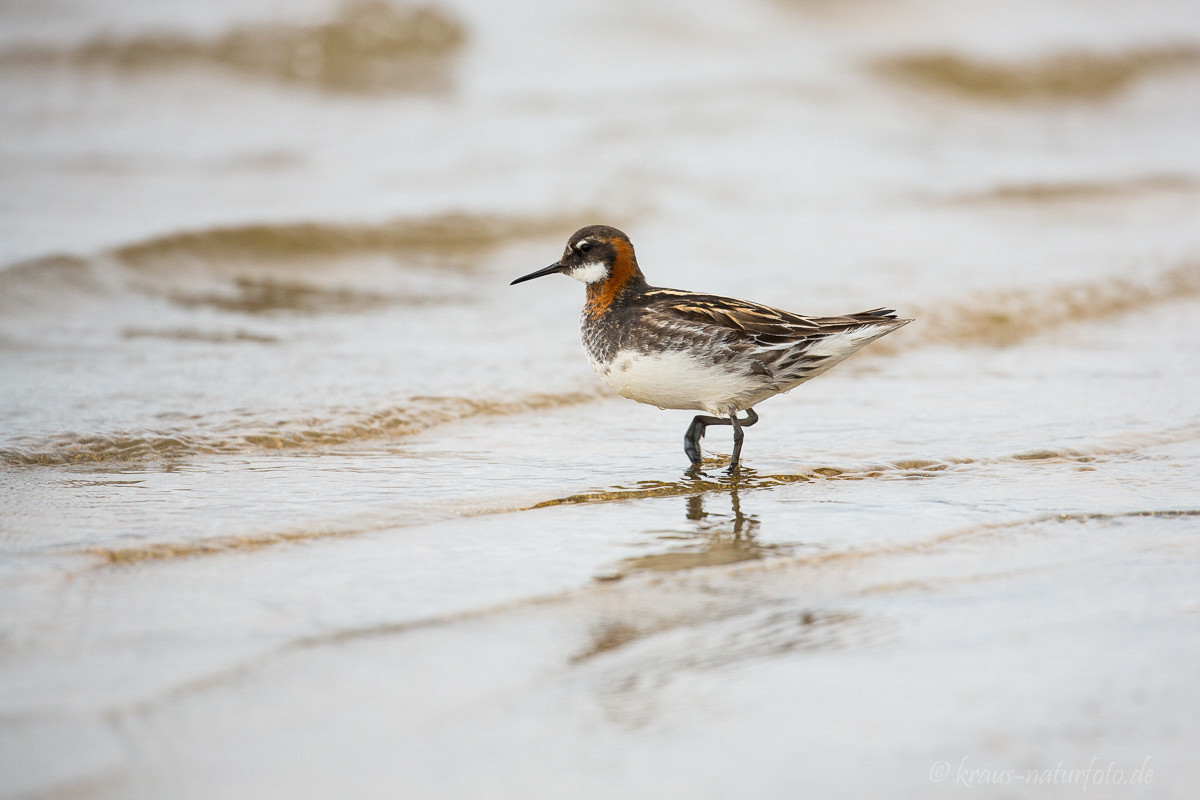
(678, 380)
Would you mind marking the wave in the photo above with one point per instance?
(440, 234)
(902, 469)
(50, 280)
(367, 46)
(418, 414)
(1008, 317)
(161, 551)
(199, 336)
(238, 266)
(1079, 191)
(748, 478)
(1068, 75)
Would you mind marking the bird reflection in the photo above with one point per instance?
(739, 526)
(708, 538)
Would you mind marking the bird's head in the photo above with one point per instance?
(595, 255)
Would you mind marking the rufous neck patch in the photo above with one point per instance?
(600, 296)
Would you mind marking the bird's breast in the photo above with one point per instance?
(675, 379)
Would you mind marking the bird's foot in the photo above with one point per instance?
(695, 432)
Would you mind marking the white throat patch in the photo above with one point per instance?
(591, 272)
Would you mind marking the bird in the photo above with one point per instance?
(693, 351)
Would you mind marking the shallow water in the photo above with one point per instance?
(299, 496)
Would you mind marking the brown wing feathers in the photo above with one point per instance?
(763, 324)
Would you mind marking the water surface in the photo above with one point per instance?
(299, 497)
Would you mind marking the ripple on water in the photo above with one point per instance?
(366, 46)
(1068, 75)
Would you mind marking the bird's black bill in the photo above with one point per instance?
(550, 270)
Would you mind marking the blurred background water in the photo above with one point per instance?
(298, 496)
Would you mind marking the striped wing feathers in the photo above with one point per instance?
(761, 324)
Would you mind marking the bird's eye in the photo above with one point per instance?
(584, 246)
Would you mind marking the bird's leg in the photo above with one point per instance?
(695, 431)
(691, 439)
(738, 435)
(737, 441)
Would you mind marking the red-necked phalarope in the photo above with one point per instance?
(685, 350)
